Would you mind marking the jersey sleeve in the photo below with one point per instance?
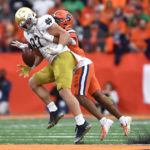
(73, 36)
(72, 33)
(45, 22)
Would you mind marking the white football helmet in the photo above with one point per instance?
(25, 18)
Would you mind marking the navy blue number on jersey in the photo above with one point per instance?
(35, 42)
(48, 21)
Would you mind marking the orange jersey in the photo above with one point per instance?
(85, 80)
(75, 48)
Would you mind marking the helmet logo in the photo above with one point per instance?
(68, 17)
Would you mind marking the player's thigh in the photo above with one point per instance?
(45, 75)
(82, 79)
(94, 85)
(63, 67)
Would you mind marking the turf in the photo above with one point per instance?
(33, 131)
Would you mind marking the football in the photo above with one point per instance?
(28, 57)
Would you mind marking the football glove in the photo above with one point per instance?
(53, 51)
(49, 50)
(25, 70)
(19, 45)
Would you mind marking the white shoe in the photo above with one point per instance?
(125, 123)
(105, 126)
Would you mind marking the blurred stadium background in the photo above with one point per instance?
(115, 35)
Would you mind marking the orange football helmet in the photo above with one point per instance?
(63, 18)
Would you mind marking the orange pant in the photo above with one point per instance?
(85, 81)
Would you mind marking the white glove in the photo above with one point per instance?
(53, 51)
(19, 45)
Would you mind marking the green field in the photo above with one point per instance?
(33, 131)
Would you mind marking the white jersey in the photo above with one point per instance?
(37, 41)
(36, 37)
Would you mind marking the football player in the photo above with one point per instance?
(62, 62)
(86, 81)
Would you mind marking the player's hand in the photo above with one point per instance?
(25, 70)
(53, 51)
(50, 50)
(19, 45)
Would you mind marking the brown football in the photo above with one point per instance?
(28, 57)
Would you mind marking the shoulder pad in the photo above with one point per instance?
(45, 22)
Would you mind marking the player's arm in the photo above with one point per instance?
(57, 31)
(53, 30)
(55, 39)
(61, 36)
(70, 42)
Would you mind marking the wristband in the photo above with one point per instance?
(22, 46)
(60, 47)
